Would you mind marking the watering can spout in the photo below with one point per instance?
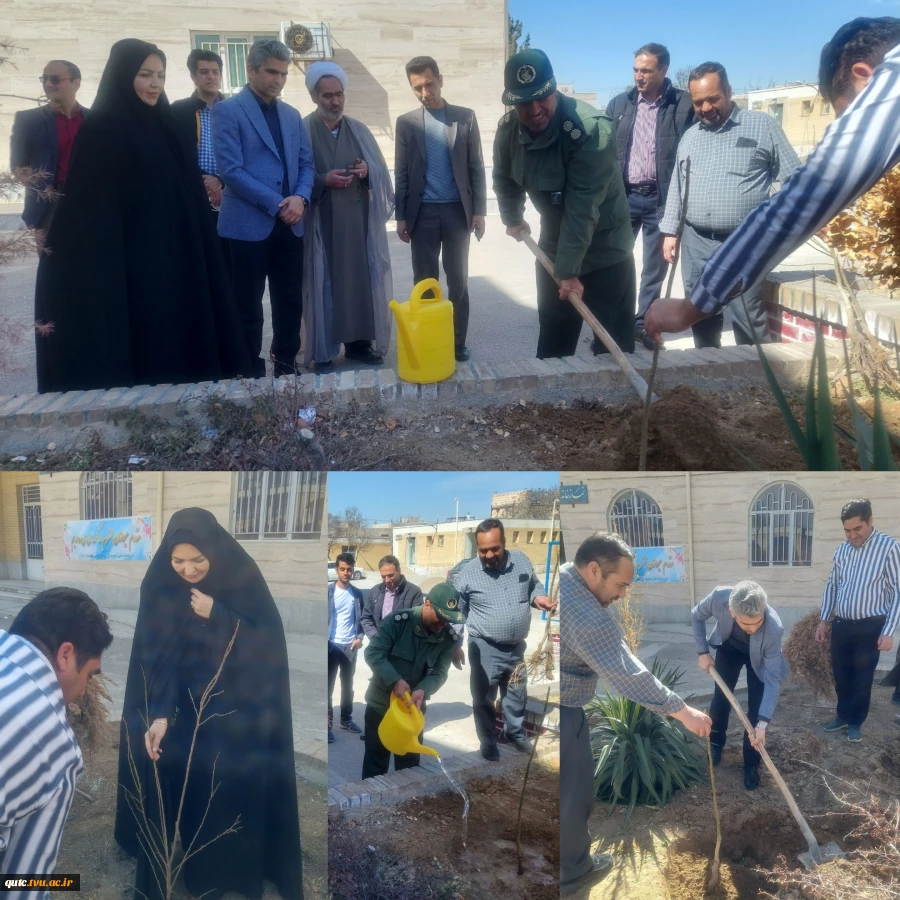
(403, 332)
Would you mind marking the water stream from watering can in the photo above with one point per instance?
(464, 795)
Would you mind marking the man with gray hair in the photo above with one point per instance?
(748, 633)
(263, 156)
(347, 271)
(591, 647)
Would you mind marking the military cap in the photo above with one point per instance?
(528, 76)
(444, 599)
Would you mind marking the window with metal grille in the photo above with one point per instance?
(34, 533)
(637, 519)
(233, 49)
(781, 527)
(106, 495)
(279, 505)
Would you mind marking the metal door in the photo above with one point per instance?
(34, 535)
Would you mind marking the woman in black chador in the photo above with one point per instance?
(134, 281)
(199, 586)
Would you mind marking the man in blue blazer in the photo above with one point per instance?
(42, 140)
(748, 633)
(264, 158)
(345, 635)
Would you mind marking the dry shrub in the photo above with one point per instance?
(89, 716)
(866, 874)
(868, 233)
(631, 618)
(809, 660)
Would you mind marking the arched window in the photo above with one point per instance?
(637, 519)
(781, 526)
(105, 495)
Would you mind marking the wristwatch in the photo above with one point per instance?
(762, 725)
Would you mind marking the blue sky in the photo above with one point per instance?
(592, 43)
(382, 496)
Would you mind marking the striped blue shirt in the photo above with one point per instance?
(440, 182)
(855, 152)
(39, 763)
(865, 582)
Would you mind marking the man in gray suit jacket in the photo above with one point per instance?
(748, 633)
(441, 193)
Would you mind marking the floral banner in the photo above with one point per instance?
(129, 539)
(659, 565)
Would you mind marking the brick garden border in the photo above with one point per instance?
(427, 777)
(29, 421)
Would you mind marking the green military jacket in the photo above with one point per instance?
(403, 648)
(571, 173)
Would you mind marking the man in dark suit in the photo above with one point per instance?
(650, 120)
(42, 141)
(263, 155)
(394, 593)
(195, 112)
(441, 194)
(345, 634)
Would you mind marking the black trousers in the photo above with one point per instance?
(377, 758)
(441, 233)
(340, 659)
(854, 656)
(728, 664)
(280, 259)
(609, 293)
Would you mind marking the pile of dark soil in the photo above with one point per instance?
(415, 851)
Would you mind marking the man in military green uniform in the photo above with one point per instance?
(411, 654)
(562, 154)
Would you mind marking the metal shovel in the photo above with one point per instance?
(817, 854)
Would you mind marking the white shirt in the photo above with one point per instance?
(343, 629)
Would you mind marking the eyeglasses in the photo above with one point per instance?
(53, 79)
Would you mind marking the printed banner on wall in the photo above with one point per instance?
(659, 565)
(129, 539)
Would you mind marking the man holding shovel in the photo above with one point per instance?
(561, 153)
(591, 646)
(748, 633)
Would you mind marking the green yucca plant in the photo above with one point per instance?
(639, 756)
(818, 446)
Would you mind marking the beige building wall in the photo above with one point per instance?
(12, 528)
(367, 559)
(713, 529)
(435, 549)
(804, 114)
(295, 570)
(372, 42)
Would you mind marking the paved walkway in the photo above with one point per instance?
(503, 322)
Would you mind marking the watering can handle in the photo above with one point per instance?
(427, 284)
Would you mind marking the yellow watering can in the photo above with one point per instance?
(426, 348)
(400, 728)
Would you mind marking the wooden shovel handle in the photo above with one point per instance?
(795, 810)
(625, 365)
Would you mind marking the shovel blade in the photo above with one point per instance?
(826, 853)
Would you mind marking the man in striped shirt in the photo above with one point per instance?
(51, 650)
(859, 74)
(591, 646)
(863, 594)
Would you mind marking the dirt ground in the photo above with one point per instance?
(107, 873)
(688, 431)
(415, 851)
(665, 854)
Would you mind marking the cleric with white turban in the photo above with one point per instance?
(323, 69)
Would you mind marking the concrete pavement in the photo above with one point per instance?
(308, 678)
